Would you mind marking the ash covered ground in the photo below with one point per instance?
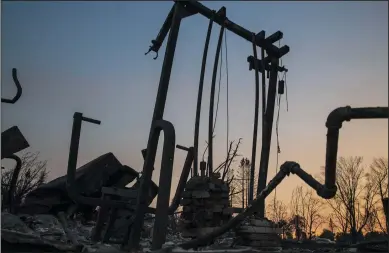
(44, 233)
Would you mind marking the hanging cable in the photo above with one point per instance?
(200, 98)
(281, 90)
(205, 150)
(284, 78)
(218, 94)
(212, 97)
(278, 141)
(286, 94)
(218, 91)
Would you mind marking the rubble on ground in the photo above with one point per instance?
(44, 233)
(38, 226)
(52, 197)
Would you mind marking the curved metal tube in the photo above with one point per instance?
(255, 131)
(333, 124)
(165, 181)
(152, 143)
(14, 180)
(18, 87)
(212, 97)
(199, 99)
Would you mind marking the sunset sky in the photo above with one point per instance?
(89, 57)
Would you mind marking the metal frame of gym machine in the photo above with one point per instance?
(328, 190)
(180, 10)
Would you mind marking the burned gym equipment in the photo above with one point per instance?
(13, 141)
(204, 197)
(179, 11)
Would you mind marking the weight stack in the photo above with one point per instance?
(260, 234)
(205, 205)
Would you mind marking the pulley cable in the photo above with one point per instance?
(212, 120)
(218, 92)
(286, 93)
(284, 79)
(281, 90)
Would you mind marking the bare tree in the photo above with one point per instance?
(331, 225)
(371, 223)
(229, 174)
(354, 201)
(313, 212)
(230, 158)
(33, 173)
(241, 183)
(276, 210)
(379, 174)
(306, 204)
(338, 216)
(298, 223)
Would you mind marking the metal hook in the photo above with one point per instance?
(151, 49)
(156, 56)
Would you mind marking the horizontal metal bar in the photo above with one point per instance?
(275, 37)
(93, 121)
(251, 60)
(182, 148)
(237, 29)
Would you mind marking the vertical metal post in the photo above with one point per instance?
(152, 143)
(267, 131)
(255, 131)
(243, 192)
(212, 100)
(199, 99)
(73, 149)
(263, 89)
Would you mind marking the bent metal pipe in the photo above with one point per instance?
(326, 191)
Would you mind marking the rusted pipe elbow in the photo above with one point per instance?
(338, 116)
(327, 193)
(333, 124)
(321, 190)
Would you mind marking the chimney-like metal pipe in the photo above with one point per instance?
(333, 124)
